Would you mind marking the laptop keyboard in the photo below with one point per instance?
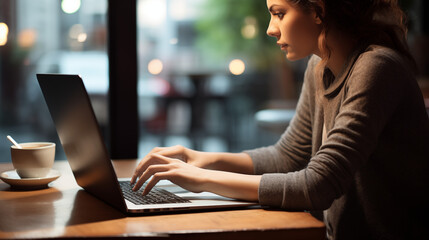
(155, 196)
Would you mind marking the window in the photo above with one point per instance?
(205, 68)
(44, 36)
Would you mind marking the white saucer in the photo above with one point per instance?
(14, 180)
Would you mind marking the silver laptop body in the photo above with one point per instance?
(78, 130)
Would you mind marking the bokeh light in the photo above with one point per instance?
(70, 6)
(237, 67)
(4, 31)
(152, 12)
(75, 31)
(155, 67)
(250, 28)
(82, 37)
(27, 38)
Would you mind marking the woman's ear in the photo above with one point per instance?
(318, 12)
(317, 19)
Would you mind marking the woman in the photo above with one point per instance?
(357, 147)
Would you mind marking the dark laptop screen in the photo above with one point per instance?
(80, 136)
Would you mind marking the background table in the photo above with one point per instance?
(64, 210)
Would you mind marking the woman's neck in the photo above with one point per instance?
(341, 46)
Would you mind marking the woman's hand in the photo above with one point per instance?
(195, 158)
(182, 166)
(160, 167)
(231, 162)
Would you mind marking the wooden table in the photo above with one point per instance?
(64, 210)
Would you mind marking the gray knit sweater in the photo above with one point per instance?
(357, 148)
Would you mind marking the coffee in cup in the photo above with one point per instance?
(34, 159)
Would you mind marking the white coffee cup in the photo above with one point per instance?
(34, 159)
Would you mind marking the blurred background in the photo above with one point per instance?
(209, 78)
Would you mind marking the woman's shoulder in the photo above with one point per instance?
(379, 63)
(381, 57)
(381, 67)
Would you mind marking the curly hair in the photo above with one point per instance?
(380, 22)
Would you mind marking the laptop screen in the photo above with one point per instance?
(80, 136)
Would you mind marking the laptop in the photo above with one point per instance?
(78, 130)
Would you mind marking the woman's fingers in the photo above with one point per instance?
(139, 169)
(172, 152)
(155, 179)
(156, 164)
(148, 166)
(175, 170)
(150, 171)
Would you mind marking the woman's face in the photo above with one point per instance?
(296, 31)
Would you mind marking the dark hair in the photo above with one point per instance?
(379, 22)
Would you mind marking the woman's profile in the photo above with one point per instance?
(358, 146)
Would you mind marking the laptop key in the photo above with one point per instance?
(155, 196)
